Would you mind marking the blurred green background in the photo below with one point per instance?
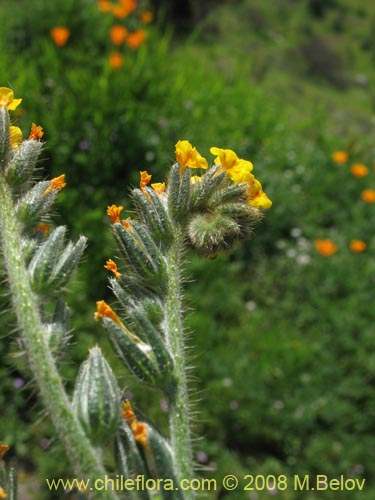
(281, 336)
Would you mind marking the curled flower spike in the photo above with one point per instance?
(368, 195)
(36, 132)
(158, 187)
(325, 247)
(145, 179)
(44, 228)
(60, 35)
(57, 184)
(103, 310)
(15, 136)
(7, 99)
(112, 266)
(188, 156)
(113, 213)
(3, 448)
(357, 246)
(340, 157)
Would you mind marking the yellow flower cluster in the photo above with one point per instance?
(237, 169)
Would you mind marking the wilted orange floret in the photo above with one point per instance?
(116, 60)
(140, 432)
(126, 223)
(56, 183)
(357, 246)
(113, 213)
(118, 34)
(36, 132)
(359, 170)
(44, 228)
(3, 449)
(60, 35)
(103, 310)
(368, 195)
(127, 411)
(325, 247)
(146, 16)
(340, 157)
(135, 39)
(112, 266)
(145, 179)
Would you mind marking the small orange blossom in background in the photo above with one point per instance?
(118, 34)
(357, 246)
(116, 60)
(325, 247)
(359, 170)
(368, 195)
(135, 39)
(146, 16)
(340, 157)
(60, 35)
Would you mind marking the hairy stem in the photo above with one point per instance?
(179, 419)
(82, 455)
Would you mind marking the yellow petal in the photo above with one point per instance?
(15, 136)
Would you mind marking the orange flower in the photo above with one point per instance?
(135, 39)
(124, 8)
(368, 195)
(113, 213)
(357, 246)
(103, 310)
(2, 493)
(112, 266)
(105, 6)
(145, 179)
(36, 132)
(138, 428)
(127, 411)
(44, 228)
(3, 449)
(340, 157)
(60, 35)
(359, 170)
(118, 34)
(116, 60)
(146, 16)
(325, 247)
(57, 183)
(7, 99)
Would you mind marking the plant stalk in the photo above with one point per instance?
(179, 418)
(81, 453)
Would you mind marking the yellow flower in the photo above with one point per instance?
(7, 99)
(357, 246)
(187, 156)
(57, 183)
(158, 187)
(368, 195)
(256, 197)
(36, 132)
(228, 160)
(359, 170)
(325, 247)
(340, 157)
(195, 179)
(145, 179)
(2, 493)
(113, 213)
(15, 136)
(112, 266)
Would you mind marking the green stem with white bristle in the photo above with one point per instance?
(179, 418)
(81, 453)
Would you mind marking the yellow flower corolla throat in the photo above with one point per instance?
(7, 99)
(188, 156)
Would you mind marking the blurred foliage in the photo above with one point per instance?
(282, 349)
